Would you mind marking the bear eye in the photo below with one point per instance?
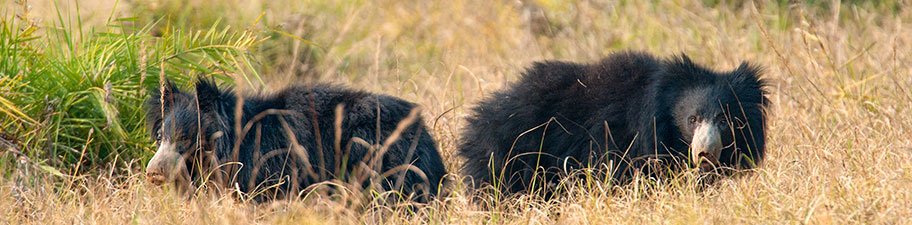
(692, 119)
(722, 119)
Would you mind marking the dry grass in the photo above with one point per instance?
(840, 131)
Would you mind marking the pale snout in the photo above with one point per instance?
(706, 145)
(163, 164)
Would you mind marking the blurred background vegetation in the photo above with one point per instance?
(74, 74)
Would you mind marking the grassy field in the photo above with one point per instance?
(840, 127)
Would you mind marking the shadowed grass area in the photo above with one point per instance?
(839, 148)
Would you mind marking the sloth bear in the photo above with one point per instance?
(619, 115)
(275, 146)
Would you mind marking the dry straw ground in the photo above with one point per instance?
(840, 128)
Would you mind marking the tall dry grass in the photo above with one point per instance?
(840, 127)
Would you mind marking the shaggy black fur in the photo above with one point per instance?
(289, 138)
(616, 113)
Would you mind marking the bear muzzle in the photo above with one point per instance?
(706, 146)
(163, 164)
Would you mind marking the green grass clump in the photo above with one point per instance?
(73, 97)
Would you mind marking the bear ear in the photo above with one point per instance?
(162, 100)
(747, 74)
(164, 97)
(748, 84)
(208, 94)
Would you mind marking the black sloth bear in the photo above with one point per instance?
(629, 109)
(277, 145)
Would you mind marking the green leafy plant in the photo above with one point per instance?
(72, 98)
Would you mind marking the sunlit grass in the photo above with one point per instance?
(840, 128)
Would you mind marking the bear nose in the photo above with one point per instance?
(155, 176)
(706, 145)
(162, 163)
